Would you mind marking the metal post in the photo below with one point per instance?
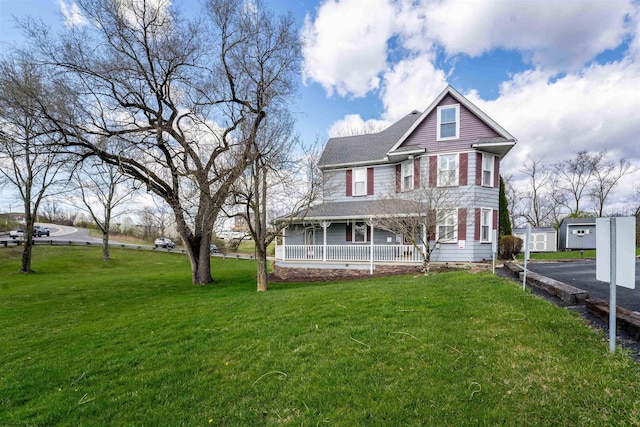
(612, 286)
(526, 255)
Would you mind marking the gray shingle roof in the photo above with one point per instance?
(579, 220)
(356, 209)
(365, 148)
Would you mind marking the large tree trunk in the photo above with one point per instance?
(261, 255)
(197, 248)
(26, 252)
(105, 245)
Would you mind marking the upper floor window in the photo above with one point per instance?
(487, 170)
(407, 176)
(486, 220)
(447, 170)
(449, 122)
(360, 182)
(447, 226)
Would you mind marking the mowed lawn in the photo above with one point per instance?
(131, 342)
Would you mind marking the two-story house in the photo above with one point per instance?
(452, 145)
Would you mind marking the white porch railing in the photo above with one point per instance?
(349, 253)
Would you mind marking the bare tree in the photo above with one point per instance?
(155, 219)
(364, 128)
(424, 216)
(170, 95)
(538, 204)
(28, 161)
(103, 191)
(281, 182)
(606, 175)
(573, 178)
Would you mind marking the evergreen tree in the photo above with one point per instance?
(504, 225)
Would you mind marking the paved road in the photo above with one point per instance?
(582, 274)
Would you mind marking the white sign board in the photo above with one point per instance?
(625, 250)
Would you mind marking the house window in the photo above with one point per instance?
(486, 219)
(448, 122)
(360, 182)
(447, 223)
(359, 232)
(407, 175)
(487, 170)
(447, 170)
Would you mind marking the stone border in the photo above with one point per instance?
(626, 320)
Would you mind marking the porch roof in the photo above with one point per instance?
(357, 209)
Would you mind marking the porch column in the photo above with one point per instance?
(370, 223)
(284, 243)
(324, 225)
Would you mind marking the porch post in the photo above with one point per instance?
(371, 248)
(284, 243)
(324, 225)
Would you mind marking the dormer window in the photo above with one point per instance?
(448, 122)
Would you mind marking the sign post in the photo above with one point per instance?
(527, 237)
(494, 249)
(615, 261)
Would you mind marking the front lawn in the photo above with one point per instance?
(132, 342)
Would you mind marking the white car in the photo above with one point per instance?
(163, 242)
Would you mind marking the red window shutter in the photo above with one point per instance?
(464, 168)
(433, 171)
(477, 224)
(479, 169)
(398, 178)
(432, 224)
(462, 224)
(496, 172)
(416, 173)
(349, 175)
(349, 237)
(495, 219)
(368, 233)
(370, 181)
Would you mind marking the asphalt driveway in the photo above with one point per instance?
(582, 274)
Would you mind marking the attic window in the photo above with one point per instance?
(448, 122)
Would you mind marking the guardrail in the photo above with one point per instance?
(17, 242)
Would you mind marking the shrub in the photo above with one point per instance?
(509, 247)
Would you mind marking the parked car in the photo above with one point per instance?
(39, 231)
(213, 249)
(18, 233)
(163, 242)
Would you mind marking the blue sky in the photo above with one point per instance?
(560, 75)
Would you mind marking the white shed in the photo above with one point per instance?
(542, 239)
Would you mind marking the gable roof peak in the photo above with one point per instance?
(450, 90)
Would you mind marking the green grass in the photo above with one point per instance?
(131, 342)
(575, 254)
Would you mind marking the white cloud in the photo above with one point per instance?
(353, 124)
(345, 47)
(409, 85)
(72, 15)
(586, 107)
(558, 35)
